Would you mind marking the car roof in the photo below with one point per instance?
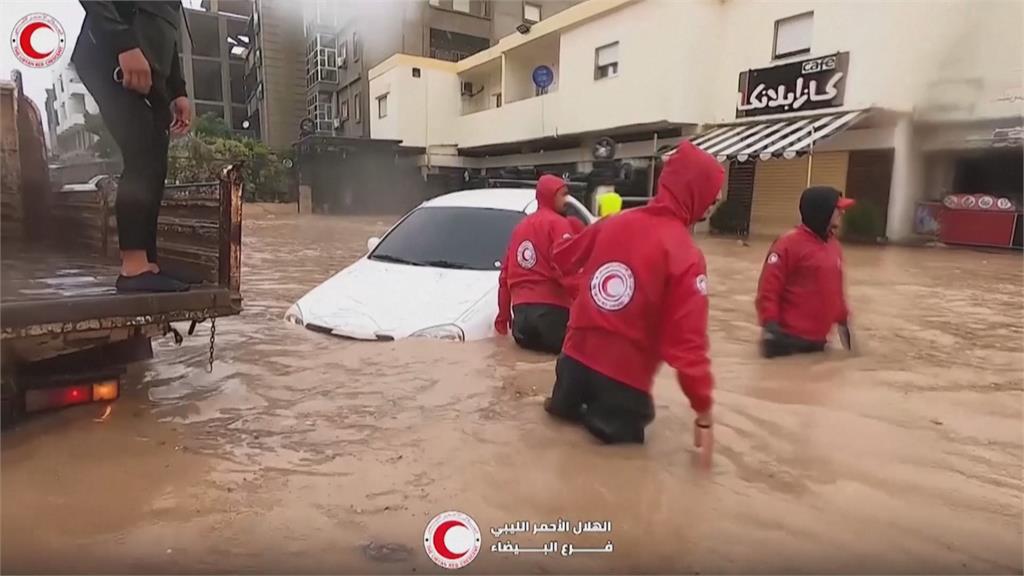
(515, 199)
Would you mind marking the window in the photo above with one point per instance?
(436, 3)
(793, 35)
(358, 106)
(382, 106)
(497, 100)
(416, 72)
(343, 106)
(343, 54)
(452, 237)
(206, 79)
(355, 46)
(205, 34)
(461, 5)
(606, 61)
(531, 13)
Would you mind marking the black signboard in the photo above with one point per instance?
(805, 85)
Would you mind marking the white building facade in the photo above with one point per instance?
(72, 102)
(884, 100)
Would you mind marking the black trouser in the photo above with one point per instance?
(609, 409)
(540, 327)
(139, 126)
(783, 344)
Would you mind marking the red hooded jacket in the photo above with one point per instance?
(527, 276)
(801, 285)
(643, 297)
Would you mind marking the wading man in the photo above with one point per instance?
(127, 57)
(643, 301)
(533, 296)
(800, 293)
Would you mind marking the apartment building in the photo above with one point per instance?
(213, 50)
(785, 94)
(67, 102)
(275, 72)
(345, 40)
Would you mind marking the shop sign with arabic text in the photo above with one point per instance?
(810, 84)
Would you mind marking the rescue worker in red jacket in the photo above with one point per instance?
(800, 293)
(643, 300)
(533, 297)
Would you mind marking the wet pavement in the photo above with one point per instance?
(305, 453)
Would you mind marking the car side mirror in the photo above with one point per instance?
(372, 243)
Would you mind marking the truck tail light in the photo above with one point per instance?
(64, 396)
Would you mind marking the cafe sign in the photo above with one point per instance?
(810, 84)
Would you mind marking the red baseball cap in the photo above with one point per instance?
(845, 202)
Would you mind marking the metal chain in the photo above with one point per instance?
(213, 340)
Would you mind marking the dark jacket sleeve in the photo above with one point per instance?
(106, 21)
(175, 80)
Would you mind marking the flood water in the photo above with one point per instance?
(305, 453)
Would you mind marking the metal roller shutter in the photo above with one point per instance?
(777, 188)
(741, 187)
(829, 169)
(779, 183)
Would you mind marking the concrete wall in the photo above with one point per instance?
(897, 49)
(520, 63)
(680, 61)
(486, 81)
(284, 72)
(409, 98)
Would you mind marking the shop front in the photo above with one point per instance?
(786, 118)
(974, 183)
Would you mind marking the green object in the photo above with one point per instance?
(862, 221)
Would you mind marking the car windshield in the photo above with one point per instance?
(450, 237)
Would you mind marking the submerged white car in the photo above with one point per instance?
(434, 274)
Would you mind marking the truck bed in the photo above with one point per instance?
(42, 291)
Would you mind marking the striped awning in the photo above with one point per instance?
(773, 138)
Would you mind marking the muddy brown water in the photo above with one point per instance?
(304, 453)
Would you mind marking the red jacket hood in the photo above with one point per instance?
(689, 183)
(547, 187)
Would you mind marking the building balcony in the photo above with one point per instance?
(527, 119)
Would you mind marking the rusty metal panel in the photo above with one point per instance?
(231, 228)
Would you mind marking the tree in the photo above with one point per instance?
(104, 146)
(213, 126)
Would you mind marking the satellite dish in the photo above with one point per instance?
(287, 163)
(604, 149)
(307, 126)
(245, 124)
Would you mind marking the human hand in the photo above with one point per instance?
(845, 337)
(703, 437)
(136, 73)
(501, 325)
(182, 110)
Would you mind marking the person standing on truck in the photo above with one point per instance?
(533, 297)
(800, 292)
(647, 303)
(127, 57)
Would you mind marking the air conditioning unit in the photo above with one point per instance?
(467, 89)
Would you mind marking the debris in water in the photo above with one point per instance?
(386, 552)
(105, 414)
